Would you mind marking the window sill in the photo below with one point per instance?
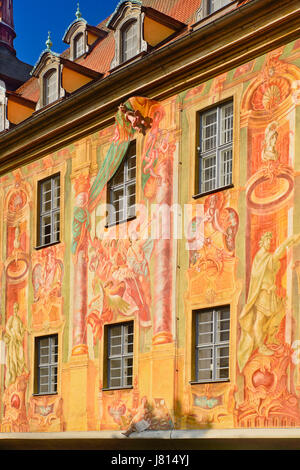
(130, 387)
(46, 246)
(212, 191)
(208, 17)
(128, 61)
(120, 222)
(194, 382)
(44, 394)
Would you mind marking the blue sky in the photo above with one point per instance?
(34, 18)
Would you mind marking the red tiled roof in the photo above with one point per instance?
(181, 10)
(102, 53)
(30, 89)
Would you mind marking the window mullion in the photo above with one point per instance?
(197, 348)
(109, 356)
(200, 151)
(51, 212)
(215, 158)
(122, 355)
(50, 362)
(214, 345)
(218, 360)
(125, 189)
(218, 179)
(39, 370)
(50, 378)
(41, 215)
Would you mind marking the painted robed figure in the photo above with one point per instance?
(13, 338)
(264, 309)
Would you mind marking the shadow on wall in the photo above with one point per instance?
(188, 421)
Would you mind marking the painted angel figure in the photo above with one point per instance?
(138, 122)
(107, 303)
(138, 282)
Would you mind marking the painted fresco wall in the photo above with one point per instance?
(249, 255)
(151, 271)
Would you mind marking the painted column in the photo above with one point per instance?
(80, 239)
(157, 170)
(79, 339)
(162, 320)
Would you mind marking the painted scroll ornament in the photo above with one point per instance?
(16, 270)
(283, 175)
(268, 400)
(45, 414)
(14, 401)
(271, 94)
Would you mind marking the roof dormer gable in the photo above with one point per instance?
(124, 9)
(81, 36)
(59, 76)
(137, 29)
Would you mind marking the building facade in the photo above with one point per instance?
(150, 231)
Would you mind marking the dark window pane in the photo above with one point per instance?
(49, 229)
(47, 369)
(120, 355)
(122, 188)
(212, 345)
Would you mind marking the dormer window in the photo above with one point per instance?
(215, 5)
(3, 121)
(81, 36)
(208, 7)
(129, 40)
(56, 77)
(137, 29)
(2, 116)
(50, 87)
(79, 45)
(126, 23)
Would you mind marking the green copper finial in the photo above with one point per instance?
(49, 42)
(78, 12)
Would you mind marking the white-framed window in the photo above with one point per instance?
(49, 211)
(3, 120)
(46, 364)
(79, 45)
(122, 189)
(215, 5)
(2, 116)
(129, 40)
(120, 355)
(212, 329)
(50, 87)
(215, 147)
